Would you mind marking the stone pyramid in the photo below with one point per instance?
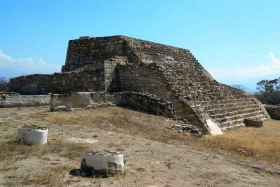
(119, 63)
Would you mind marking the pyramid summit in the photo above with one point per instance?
(118, 64)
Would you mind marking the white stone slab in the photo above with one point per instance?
(214, 129)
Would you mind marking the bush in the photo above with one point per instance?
(4, 84)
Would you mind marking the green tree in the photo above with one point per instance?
(267, 89)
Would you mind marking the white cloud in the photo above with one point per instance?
(27, 65)
(266, 69)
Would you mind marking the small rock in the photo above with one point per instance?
(0, 122)
(89, 107)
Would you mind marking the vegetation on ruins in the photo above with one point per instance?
(4, 84)
(268, 91)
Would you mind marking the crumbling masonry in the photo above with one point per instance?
(118, 64)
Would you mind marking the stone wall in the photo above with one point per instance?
(148, 103)
(72, 100)
(149, 78)
(89, 50)
(111, 73)
(273, 111)
(87, 78)
(137, 101)
(24, 100)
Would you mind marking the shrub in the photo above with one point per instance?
(4, 84)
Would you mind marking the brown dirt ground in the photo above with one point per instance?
(154, 155)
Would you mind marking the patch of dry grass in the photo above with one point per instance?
(12, 149)
(117, 119)
(45, 176)
(260, 144)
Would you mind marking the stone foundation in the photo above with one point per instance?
(24, 100)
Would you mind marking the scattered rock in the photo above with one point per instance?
(63, 108)
(187, 129)
(89, 107)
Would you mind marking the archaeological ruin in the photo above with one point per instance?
(146, 76)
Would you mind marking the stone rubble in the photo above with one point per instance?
(187, 129)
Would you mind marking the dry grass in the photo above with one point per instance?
(253, 144)
(116, 119)
(259, 144)
(11, 148)
(48, 176)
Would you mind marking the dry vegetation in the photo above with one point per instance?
(254, 144)
(259, 145)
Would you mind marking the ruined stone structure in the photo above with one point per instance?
(118, 63)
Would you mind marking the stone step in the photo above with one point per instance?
(239, 99)
(240, 119)
(232, 109)
(232, 127)
(260, 117)
(239, 116)
(226, 105)
(243, 109)
(233, 113)
(238, 123)
(231, 122)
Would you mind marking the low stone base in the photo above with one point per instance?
(16, 100)
(253, 123)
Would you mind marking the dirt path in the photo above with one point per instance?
(154, 164)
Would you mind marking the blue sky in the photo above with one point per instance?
(237, 41)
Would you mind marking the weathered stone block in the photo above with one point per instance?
(253, 122)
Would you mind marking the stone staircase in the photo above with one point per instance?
(193, 86)
(231, 113)
(226, 106)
